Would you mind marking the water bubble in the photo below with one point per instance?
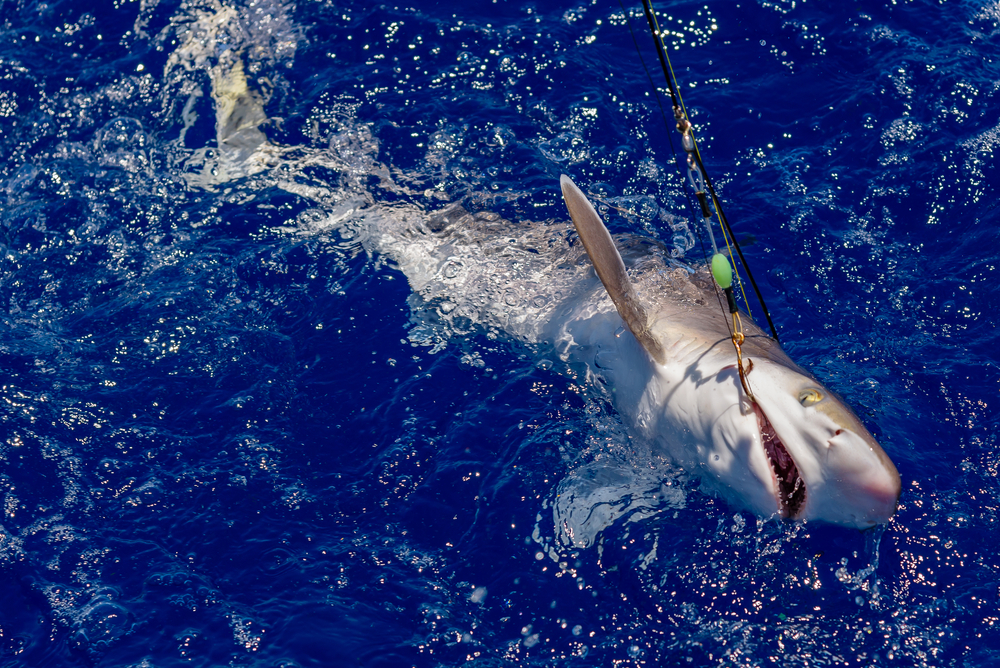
(122, 134)
(101, 622)
(567, 147)
(647, 207)
(602, 189)
(122, 143)
(187, 642)
(452, 269)
(502, 137)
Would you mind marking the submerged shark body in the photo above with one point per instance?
(659, 345)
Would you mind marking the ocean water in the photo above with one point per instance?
(230, 437)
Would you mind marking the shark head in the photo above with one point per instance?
(821, 462)
(795, 450)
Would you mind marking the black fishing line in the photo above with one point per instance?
(699, 232)
(679, 113)
(670, 139)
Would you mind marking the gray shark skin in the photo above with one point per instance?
(656, 341)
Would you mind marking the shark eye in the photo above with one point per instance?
(810, 397)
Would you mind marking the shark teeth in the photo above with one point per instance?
(791, 486)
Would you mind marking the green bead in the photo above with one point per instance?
(721, 271)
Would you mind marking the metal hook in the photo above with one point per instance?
(738, 340)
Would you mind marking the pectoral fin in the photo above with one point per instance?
(610, 268)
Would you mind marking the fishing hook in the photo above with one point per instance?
(738, 339)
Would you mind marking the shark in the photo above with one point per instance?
(792, 447)
(620, 314)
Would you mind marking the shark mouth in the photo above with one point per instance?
(791, 486)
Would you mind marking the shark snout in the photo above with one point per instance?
(868, 504)
(862, 484)
(872, 499)
(884, 495)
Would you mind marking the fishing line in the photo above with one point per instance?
(735, 328)
(670, 140)
(696, 168)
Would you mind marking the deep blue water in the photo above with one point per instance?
(225, 441)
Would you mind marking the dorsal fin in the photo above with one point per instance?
(610, 268)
